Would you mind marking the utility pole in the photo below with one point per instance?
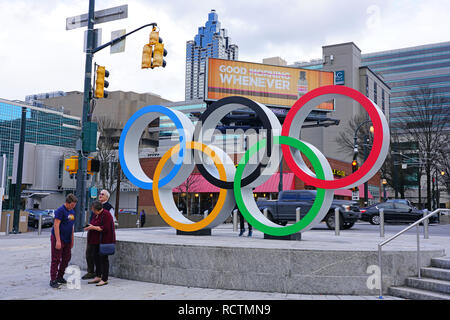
(84, 143)
(82, 158)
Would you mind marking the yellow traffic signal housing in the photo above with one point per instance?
(158, 55)
(93, 166)
(147, 57)
(71, 165)
(101, 83)
(154, 37)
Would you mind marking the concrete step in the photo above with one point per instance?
(435, 273)
(429, 284)
(443, 262)
(417, 294)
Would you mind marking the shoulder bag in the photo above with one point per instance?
(106, 249)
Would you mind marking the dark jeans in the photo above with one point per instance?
(60, 259)
(101, 263)
(90, 257)
(241, 222)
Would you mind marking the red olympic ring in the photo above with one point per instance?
(376, 147)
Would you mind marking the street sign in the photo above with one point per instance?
(355, 195)
(101, 16)
(119, 46)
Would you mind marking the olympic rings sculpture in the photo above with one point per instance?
(256, 166)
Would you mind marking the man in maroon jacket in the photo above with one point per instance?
(100, 230)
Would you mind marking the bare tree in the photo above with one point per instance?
(424, 122)
(107, 151)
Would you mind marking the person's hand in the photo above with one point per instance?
(58, 245)
(89, 227)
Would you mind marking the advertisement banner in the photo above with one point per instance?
(268, 84)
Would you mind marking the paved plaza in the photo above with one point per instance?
(24, 270)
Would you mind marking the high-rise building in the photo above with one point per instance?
(211, 41)
(407, 70)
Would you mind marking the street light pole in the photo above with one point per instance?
(82, 158)
(355, 148)
(82, 153)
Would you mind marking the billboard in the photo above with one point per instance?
(268, 84)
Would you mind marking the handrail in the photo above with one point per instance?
(415, 224)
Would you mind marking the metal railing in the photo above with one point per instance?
(415, 224)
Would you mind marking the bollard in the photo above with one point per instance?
(382, 223)
(297, 214)
(138, 223)
(235, 215)
(425, 225)
(40, 225)
(266, 213)
(205, 214)
(8, 216)
(337, 225)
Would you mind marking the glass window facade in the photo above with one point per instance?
(43, 126)
(211, 41)
(407, 70)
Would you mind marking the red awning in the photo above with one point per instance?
(271, 185)
(197, 183)
(348, 193)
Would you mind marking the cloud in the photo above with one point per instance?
(39, 55)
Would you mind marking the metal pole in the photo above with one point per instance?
(382, 223)
(40, 225)
(336, 222)
(19, 172)
(366, 184)
(235, 214)
(381, 271)
(297, 214)
(8, 217)
(266, 213)
(82, 158)
(418, 251)
(425, 225)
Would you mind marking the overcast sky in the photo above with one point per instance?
(38, 55)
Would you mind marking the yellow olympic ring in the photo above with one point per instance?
(194, 226)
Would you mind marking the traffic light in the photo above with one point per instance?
(158, 53)
(71, 165)
(153, 52)
(93, 166)
(354, 165)
(355, 168)
(101, 83)
(147, 57)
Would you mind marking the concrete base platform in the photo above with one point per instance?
(321, 263)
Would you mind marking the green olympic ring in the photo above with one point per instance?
(317, 204)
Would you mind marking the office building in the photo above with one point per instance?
(211, 41)
(44, 126)
(409, 69)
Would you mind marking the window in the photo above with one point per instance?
(385, 205)
(375, 93)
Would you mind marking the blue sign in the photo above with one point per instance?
(339, 77)
(93, 192)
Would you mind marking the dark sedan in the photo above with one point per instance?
(393, 212)
(33, 218)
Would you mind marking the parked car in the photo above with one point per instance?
(283, 210)
(33, 218)
(394, 211)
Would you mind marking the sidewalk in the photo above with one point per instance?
(24, 274)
